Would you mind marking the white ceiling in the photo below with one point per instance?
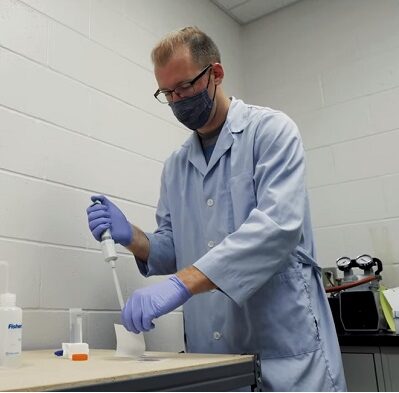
(245, 11)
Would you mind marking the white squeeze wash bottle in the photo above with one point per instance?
(10, 324)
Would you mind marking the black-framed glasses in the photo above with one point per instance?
(186, 89)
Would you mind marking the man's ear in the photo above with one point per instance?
(218, 73)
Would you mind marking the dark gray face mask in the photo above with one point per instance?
(194, 111)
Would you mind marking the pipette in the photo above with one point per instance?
(110, 256)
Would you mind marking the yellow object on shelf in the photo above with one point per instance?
(387, 309)
(390, 306)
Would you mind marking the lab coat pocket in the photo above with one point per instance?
(243, 198)
(288, 322)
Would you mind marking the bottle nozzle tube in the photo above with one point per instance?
(75, 325)
(4, 277)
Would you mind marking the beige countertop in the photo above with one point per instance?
(42, 370)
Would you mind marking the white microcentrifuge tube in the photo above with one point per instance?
(75, 325)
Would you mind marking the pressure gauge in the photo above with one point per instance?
(365, 261)
(344, 263)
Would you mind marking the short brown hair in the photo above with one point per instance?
(203, 50)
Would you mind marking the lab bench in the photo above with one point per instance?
(371, 361)
(154, 371)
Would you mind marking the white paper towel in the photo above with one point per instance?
(128, 344)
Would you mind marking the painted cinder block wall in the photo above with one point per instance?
(333, 66)
(78, 117)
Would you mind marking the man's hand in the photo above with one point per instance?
(107, 215)
(151, 302)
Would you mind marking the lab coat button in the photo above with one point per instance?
(210, 202)
(217, 335)
(213, 290)
(211, 244)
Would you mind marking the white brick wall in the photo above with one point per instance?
(77, 117)
(334, 67)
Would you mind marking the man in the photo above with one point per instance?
(233, 230)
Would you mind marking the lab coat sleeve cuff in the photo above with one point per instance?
(225, 279)
(143, 267)
(154, 264)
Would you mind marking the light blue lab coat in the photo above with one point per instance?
(243, 220)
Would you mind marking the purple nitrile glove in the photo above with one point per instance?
(151, 302)
(106, 215)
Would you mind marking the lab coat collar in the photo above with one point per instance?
(195, 154)
(237, 116)
(236, 121)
